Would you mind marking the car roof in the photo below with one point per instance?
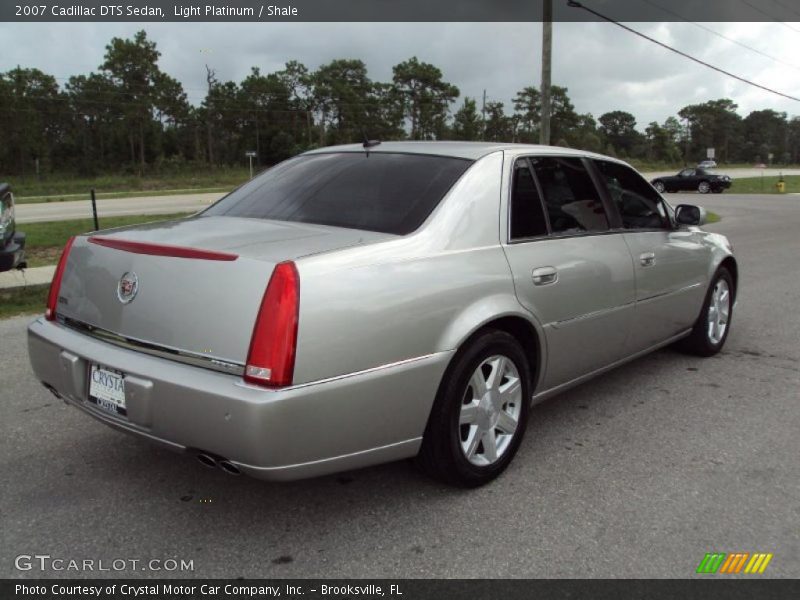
(468, 150)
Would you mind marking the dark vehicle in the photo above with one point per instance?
(12, 242)
(702, 180)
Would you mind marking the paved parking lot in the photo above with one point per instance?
(636, 474)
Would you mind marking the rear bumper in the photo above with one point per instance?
(13, 254)
(343, 423)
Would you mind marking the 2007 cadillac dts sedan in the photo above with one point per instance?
(357, 305)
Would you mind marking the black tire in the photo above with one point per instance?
(659, 185)
(699, 342)
(441, 455)
(703, 187)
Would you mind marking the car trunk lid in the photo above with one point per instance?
(190, 288)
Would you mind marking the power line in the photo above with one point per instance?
(789, 8)
(575, 4)
(724, 37)
(766, 14)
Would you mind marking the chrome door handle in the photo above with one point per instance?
(544, 275)
(647, 259)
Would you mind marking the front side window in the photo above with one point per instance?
(572, 202)
(686, 173)
(638, 203)
(379, 191)
(527, 213)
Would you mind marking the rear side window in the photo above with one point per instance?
(571, 199)
(638, 203)
(527, 213)
(389, 193)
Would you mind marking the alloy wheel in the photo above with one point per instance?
(719, 310)
(490, 410)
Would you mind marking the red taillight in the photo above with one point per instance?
(55, 285)
(270, 361)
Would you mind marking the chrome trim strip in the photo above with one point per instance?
(670, 293)
(592, 315)
(399, 363)
(194, 359)
(548, 393)
(606, 311)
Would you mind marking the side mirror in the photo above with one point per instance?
(689, 214)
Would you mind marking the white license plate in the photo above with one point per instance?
(107, 389)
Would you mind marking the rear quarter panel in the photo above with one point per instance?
(410, 297)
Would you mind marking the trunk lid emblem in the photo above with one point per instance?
(127, 287)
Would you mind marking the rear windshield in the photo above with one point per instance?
(390, 193)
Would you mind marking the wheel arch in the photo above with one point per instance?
(729, 262)
(521, 327)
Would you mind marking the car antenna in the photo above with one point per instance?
(368, 143)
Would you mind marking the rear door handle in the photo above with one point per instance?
(647, 259)
(544, 275)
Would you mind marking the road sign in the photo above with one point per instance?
(251, 154)
(709, 152)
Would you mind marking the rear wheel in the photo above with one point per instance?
(480, 413)
(659, 185)
(712, 326)
(703, 187)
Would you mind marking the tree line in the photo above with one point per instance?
(129, 115)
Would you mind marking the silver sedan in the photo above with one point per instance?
(362, 304)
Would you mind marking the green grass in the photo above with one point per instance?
(763, 185)
(712, 217)
(44, 241)
(55, 188)
(23, 301)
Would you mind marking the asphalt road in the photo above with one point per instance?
(636, 474)
(113, 207)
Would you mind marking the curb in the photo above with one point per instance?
(26, 277)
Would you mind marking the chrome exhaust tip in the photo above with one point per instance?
(229, 467)
(207, 461)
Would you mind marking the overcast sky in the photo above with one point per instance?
(604, 67)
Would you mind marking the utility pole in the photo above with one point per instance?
(547, 55)
(686, 144)
(209, 109)
(483, 117)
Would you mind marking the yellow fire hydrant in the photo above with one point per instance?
(781, 185)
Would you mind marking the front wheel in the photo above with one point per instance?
(712, 326)
(703, 187)
(480, 413)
